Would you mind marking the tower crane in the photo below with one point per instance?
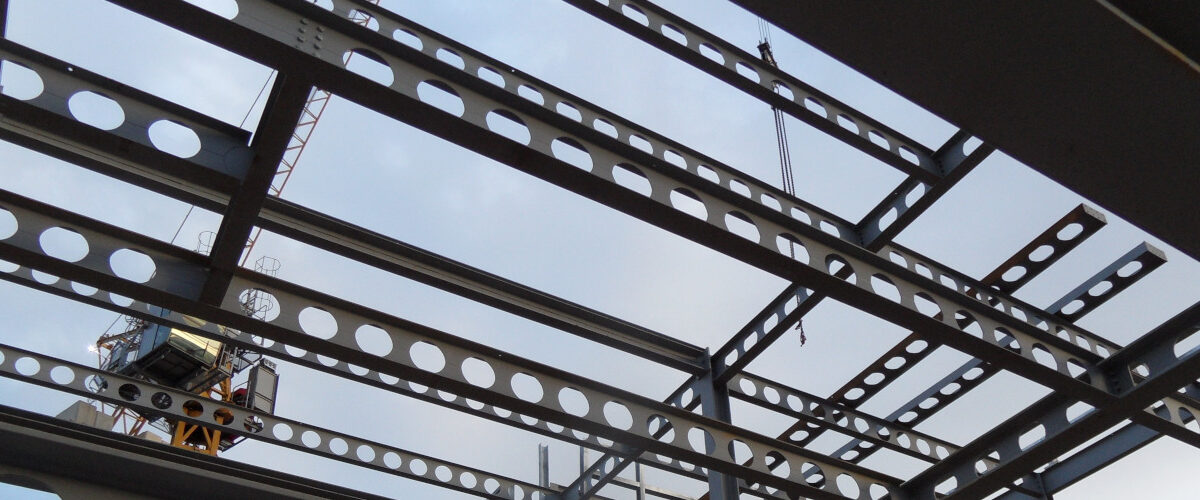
(176, 358)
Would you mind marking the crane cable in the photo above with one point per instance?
(781, 137)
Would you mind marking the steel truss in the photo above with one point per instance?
(857, 263)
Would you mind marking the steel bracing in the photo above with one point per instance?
(1144, 390)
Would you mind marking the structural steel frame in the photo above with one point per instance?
(1097, 384)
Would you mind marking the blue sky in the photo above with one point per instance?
(394, 179)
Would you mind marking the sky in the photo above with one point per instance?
(394, 179)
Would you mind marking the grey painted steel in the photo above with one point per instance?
(828, 253)
(1061, 428)
(714, 403)
(1023, 266)
(786, 309)
(580, 115)
(222, 151)
(813, 409)
(307, 43)
(971, 374)
(1108, 282)
(912, 197)
(386, 253)
(805, 103)
(877, 229)
(353, 373)
(1060, 363)
(1092, 125)
(138, 467)
(908, 352)
(284, 108)
(44, 123)
(171, 288)
(156, 170)
(1113, 447)
(1100, 454)
(179, 405)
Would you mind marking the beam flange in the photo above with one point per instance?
(446, 374)
(722, 60)
(37, 442)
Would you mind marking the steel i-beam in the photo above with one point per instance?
(160, 401)
(1141, 374)
(709, 53)
(179, 276)
(824, 254)
(140, 163)
(908, 352)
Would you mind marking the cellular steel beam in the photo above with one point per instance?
(709, 53)
(1027, 347)
(896, 212)
(724, 209)
(138, 467)
(1070, 105)
(1128, 439)
(786, 309)
(665, 184)
(127, 153)
(45, 123)
(971, 374)
(1028, 262)
(525, 387)
(151, 399)
(1142, 373)
(1111, 448)
(900, 208)
(310, 359)
(906, 354)
(822, 413)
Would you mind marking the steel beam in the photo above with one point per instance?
(826, 414)
(1052, 417)
(44, 123)
(309, 359)
(388, 254)
(64, 449)
(1128, 439)
(877, 230)
(1108, 282)
(795, 301)
(174, 287)
(971, 374)
(284, 107)
(1111, 448)
(912, 349)
(1092, 124)
(749, 73)
(151, 399)
(724, 209)
(903, 205)
(114, 155)
(574, 116)
(1024, 265)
